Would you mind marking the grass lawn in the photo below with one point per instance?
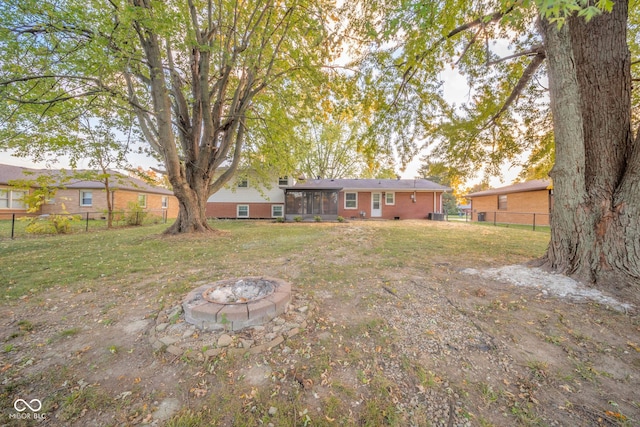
(394, 335)
(82, 259)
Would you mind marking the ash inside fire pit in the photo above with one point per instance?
(237, 303)
(239, 292)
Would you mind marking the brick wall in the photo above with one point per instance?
(230, 210)
(520, 208)
(68, 200)
(403, 208)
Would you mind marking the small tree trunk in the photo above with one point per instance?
(109, 204)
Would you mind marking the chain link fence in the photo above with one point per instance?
(23, 225)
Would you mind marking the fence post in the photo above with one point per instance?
(494, 218)
(13, 225)
(86, 228)
(534, 221)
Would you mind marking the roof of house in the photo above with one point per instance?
(118, 181)
(521, 187)
(369, 185)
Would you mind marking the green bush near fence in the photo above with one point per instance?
(50, 224)
(136, 214)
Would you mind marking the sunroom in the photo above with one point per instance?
(309, 204)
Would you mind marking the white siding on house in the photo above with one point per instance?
(248, 195)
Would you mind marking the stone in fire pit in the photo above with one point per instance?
(236, 303)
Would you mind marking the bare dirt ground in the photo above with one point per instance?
(442, 346)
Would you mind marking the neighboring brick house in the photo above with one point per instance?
(365, 198)
(514, 204)
(77, 197)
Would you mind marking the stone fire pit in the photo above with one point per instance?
(234, 304)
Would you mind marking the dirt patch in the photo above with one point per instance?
(387, 343)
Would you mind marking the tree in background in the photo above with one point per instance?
(197, 75)
(104, 153)
(440, 174)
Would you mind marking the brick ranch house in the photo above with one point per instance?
(364, 198)
(514, 204)
(330, 198)
(80, 197)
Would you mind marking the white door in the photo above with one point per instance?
(376, 205)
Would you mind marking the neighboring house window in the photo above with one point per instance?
(165, 202)
(142, 200)
(351, 200)
(86, 198)
(390, 198)
(17, 198)
(243, 211)
(4, 199)
(12, 199)
(283, 181)
(502, 202)
(243, 183)
(276, 211)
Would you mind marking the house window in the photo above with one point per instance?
(276, 211)
(351, 200)
(4, 199)
(283, 181)
(242, 211)
(390, 198)
(165, 202)
(17, 199)
(243, 183)
(86, 198)
(142, 200)
(502, 202)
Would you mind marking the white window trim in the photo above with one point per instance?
(164, 202)
(345, 199)
(143, 197)
(82, 193)
(281, 179)
(244, 181)
(238, 211)
(386, 200)
(273, 215)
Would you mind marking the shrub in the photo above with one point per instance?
(341, 219)
(136, 214)
(317, 218)
(51, 224)
(297, 218)
(280, 219)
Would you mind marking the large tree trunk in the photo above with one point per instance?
(595, 220)
(192, 199)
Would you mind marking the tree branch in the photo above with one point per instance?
(471, 43)
(528, 73)
(412, 69)
(535, 50)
